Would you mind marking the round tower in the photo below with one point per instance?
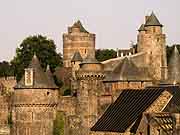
(77, 39)
(35, 101)
(90, 76)
(152, 41)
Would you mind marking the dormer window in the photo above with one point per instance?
(29, 77)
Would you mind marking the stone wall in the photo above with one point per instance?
(4, 113)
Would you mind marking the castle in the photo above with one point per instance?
(136, 93)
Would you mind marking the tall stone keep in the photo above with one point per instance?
(35, 101)
(77, 40)
(152, 41)
(90, 78)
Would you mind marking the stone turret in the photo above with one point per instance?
(77, 39)
(90, 76)
(35, 101)
(76, 60)
(152, 41)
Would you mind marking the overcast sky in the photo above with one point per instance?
(115, 22)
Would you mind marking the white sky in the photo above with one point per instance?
(115, 22)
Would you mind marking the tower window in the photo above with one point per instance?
(154, 29)
(157, 39)
(85, 51)
(47, 93)
(29, 77)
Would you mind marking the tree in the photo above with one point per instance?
(105, 54)
(6, 69)
(44, 48)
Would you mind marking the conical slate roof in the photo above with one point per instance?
(40, 78)
(127, 70)
(153, 21)
(90, 59)
(78, 24)
(141, 28)
(174, 67)
(50, 76)
(77, 57)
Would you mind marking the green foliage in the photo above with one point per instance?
(67, 92)
(6, 69)
(58, 82)
(105, 54)
(44, 48)
(10, 121)
(58, 128)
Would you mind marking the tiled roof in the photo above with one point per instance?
(40, 79)
(153, 21)
(77, 57)
(141, 28)
(128, 107)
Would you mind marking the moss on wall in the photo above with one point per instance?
(59, 124)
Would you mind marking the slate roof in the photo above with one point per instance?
(153, 21)
(76, 57)
(78, 24)
(141, 28)
(126, 70)
(50, 76)
(40, 78)
(173, 67)
(90, 60)
(128, 107)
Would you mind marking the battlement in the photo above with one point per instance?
(91, 75)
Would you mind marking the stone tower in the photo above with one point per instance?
(77, 39)
(90, 76)
(35, 101)
(152, 41)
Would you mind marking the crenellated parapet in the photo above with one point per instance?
(90, 75)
